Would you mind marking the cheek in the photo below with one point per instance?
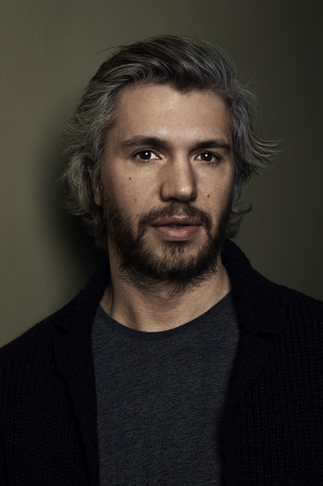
(128, 195)
(116, 185)
(217, 189)
(217, 196)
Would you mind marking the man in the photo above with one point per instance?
(178, 364)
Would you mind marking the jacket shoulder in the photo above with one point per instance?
(34, 342)
(299, 302)
(302, 310)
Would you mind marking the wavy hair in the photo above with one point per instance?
(184, 63)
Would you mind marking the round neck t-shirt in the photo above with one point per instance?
(160, 396)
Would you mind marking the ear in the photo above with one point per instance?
(95, 182)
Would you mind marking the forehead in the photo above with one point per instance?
(161, 110)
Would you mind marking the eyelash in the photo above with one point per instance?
(137, 156)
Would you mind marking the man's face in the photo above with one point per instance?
(166, 184)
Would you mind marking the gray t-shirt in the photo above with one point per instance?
(160, 396)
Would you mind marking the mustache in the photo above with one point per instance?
(175, 209)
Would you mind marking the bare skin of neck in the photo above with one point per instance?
(159, 311)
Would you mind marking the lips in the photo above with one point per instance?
(177, 228)
(177, 221)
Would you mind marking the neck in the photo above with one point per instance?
(161, 310)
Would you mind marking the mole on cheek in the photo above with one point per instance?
(129, 178)
(208, 195)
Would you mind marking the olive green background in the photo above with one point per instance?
(49, 50)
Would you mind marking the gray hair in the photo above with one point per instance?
(184, 63)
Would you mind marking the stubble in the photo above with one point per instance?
(176, 267)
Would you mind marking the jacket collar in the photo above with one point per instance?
(256, 298)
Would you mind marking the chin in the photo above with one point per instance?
(176, 267)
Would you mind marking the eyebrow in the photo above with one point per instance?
(214, 144)
(139, 141)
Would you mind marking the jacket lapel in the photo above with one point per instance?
(257, 302)
(73, 352)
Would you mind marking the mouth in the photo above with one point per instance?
(176, 225)
(177, 228)
(177, 221)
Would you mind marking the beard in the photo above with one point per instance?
(177, 270)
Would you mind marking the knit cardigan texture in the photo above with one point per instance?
(272, 429)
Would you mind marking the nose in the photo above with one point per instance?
(179, 181)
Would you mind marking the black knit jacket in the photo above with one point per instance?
(272, 431)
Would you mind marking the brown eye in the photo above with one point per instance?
(146, 155)
(208, 157)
